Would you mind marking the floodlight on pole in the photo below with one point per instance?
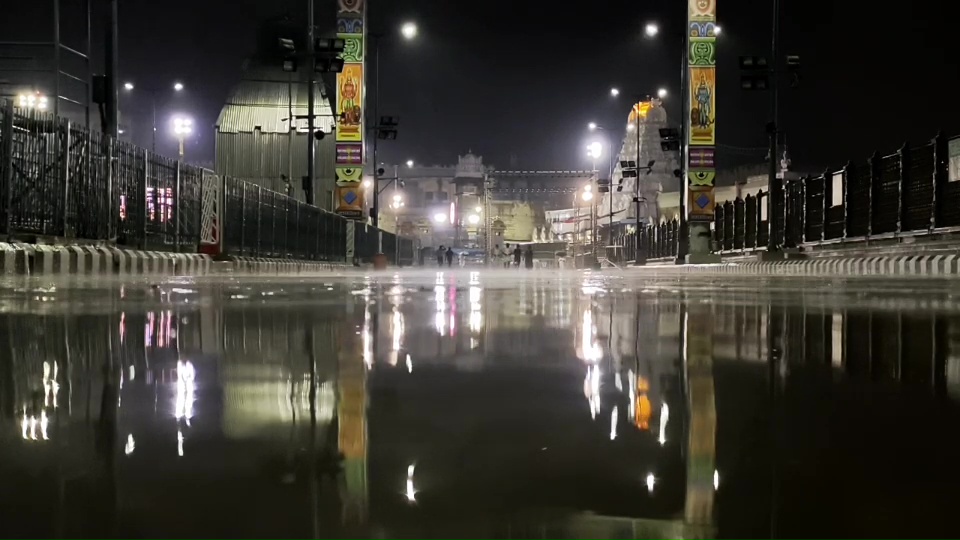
(662, 93)
(595, 150)
(128, 86)
(592, 126)
(614, 92)
(182, 128)
(409, 163)
(178, 86)
(651, 29)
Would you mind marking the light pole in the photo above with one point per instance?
(182, 128)
(593, 126)
(130, 87)
(409, 32)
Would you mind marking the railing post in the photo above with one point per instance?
(65, 156)
(848, 170)
(144, 203)
(904, 183)
(875, 172)
(6, 167)
(827, 202)
(941, 176)
(259, 221)
(176, 206)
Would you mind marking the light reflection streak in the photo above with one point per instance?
(613, 424)
(130, 446)
(650, 481)
(592, 352)
(367, 337)
(410, 492)
(664, 418)
(439, 294)
(186, 376)
(591, 390)
(398, 328)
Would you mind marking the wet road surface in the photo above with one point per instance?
(467, 404)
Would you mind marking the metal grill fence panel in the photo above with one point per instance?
(59, 180)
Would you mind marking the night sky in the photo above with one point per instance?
(517, 82)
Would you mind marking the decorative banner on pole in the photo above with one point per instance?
(351, 90)
(702, 120)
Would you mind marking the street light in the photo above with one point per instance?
(177, 86)
(662, 93)
(409, 30)
(128, 86)
(651, 29)
(439, 217)
(614, 92)
(410, 163)
(592, 126)
(473, 219)
(182, 128)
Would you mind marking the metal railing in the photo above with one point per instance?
(60, 181)
(908, 192)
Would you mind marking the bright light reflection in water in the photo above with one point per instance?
(409, 364)
(588, 342)
(410, 492)
(591, 390)
(664, 418)
(632, 382)
(650, 481)
(130, 446)
(186, 376)
(397, 328)
(367, 337)
(716, 479)
(439, 296)
(613, 424)
(179, 443)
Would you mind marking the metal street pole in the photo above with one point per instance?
(376, 136)
(774, 183)
(684, 241)
(311, 68)
(153, 102)
(636, 236)
(112, 67)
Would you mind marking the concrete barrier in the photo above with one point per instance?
(51, 260)
(943, 265)
(258, 265)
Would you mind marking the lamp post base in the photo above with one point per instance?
(380, 261)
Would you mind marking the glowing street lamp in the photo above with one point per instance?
(592, 126)
(128, 86)
(614, 92)
(473, 219)
(177, 86)
(410, 163)
(182, 128)
(409, 30)
(662, 93)
(651, 30)
(439, 217)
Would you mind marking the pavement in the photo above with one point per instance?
(468, 403)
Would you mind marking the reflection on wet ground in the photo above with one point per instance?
(479, 404)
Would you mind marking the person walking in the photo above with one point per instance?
(440, 254)
(528, 257)
(517, 255)
(449, 257)
(506, 256)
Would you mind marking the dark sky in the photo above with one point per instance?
(517, 81)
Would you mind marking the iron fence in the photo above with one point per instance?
(907, 192)
(58, 180)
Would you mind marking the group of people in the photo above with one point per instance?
(519, 256)
(445, 254)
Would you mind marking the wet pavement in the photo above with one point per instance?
(480, 404)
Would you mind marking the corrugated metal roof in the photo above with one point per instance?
(261, 100)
